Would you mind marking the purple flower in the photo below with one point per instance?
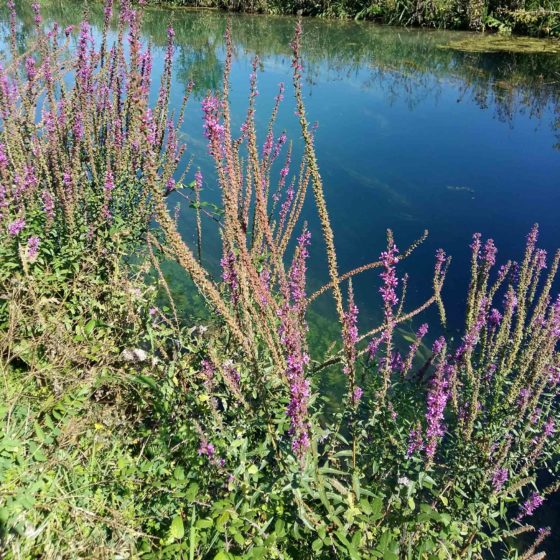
(213, 129)
(78, 127)
(440, 259)
(231, 373)
(436, 403)
(278, 147)
(532, 238)
(198, 180)
(229, 275)
(534, 501)
(36, 13)
(351, 320)
(413, 349)
(358, 393)
(84, 69)
(489, 253)
(170, 185)
(3, 157)
(208, 370)
(150, 128)
(494, 318)
(549, 428)
(33, 247)
(108, 10)
(107, 191)
(206, 448)
(523, 397)
(554, 375)
(490, 373)
(374, 345)
(30, 68)
(510, 301)
(67, 179)
(16, 227)
(540, 258)
(267, 146)
(350, 332)
(390, 281)
(438, 345)
(298, 269)
(535, 415)
(292, 336)
(475, 245)
(415, 442)
(499, 478)
(48, 204)
(471, 338)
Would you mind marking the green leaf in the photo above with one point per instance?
(177, 530)
(90, 325)
(317, 545)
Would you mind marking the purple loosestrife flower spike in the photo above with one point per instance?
(415, 442)
(16, 227)
(229, 275)
(33, 247)
(350, 331)
(297, 273)
(374, 345)
(198, 180)
(206, 449)
(534, 501)
(48, 205)
(549, 428)
(499, 478)
(533, 237)
(438, 345)
(475, 245)
(213, 129)
(3, 158)
(390, 281)
(494, 318)
(292, 336)
(30, 68)
(541, 259)
(357, 395)
(489, 253)
(36, 13)
(436, 403)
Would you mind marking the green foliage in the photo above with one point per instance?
(536, 18)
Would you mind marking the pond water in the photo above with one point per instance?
(412, 135)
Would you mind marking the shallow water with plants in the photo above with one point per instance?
(410, 130)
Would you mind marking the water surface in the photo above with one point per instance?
(411, 135)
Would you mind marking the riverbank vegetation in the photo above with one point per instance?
(529, 17)
(129, 431)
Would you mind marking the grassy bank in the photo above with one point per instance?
(526, 17)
